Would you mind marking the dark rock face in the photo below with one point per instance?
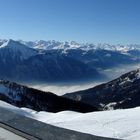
(23, 96)
(123, 92)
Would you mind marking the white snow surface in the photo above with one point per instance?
(122, 124)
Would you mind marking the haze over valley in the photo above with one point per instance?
(63, 67)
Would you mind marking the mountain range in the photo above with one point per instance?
(19, 62)
(53, 61)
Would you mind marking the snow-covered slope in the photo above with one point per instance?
(122, 124)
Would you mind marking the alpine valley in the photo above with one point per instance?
(114, 68)
(53, 61)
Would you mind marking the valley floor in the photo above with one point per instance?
(63, 88)
(122, 124)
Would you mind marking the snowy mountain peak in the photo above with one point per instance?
(16, 48)
(47, 45)
(52, 44)
(15, 45)
(8, 43)
(11, 42)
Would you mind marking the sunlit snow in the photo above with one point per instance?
(122, 124)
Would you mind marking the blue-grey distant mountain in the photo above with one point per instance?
(22, 63)
(104, 59)
(123, 92)
(43, 61)
(100, 56)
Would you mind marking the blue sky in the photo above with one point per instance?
(93, 21)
